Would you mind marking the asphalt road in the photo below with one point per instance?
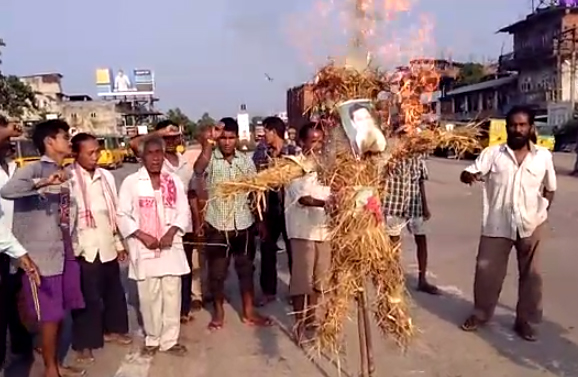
(441, 349)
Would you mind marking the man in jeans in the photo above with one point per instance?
(274, 146)
(230, 223)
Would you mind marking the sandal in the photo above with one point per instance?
(472, 323)
(177, 350)
(525, 331)
(149, 350)
(215, 326)
(257, 321)
(120, 339)
(84, 359)
(70, 371)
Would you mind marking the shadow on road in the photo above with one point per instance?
(22, 368)
(553, 352)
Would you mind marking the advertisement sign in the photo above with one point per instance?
(137, 82)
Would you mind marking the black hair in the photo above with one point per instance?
(230, 125)
(520, 109)
(354, 108)
(78, 139)
(49, 128)
(3, 121)
(306, 128)
(275, 124)
(164, 124)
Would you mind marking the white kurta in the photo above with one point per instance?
(101, 240)
(172, 261)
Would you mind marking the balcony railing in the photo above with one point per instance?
(526, 56)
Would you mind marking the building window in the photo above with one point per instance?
(73, 115)
(93, 115)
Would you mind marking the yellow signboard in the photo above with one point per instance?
(103, 76)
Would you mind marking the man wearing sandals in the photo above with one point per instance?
(98, 250)
(153, 216)
(519, 184)
(308, 232)
(230, 224)
(41, 194)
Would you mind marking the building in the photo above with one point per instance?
(95, 117)
(49, 94)
(490, 98)
(544, 54)
(299, 100)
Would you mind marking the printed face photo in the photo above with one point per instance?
(360, 127)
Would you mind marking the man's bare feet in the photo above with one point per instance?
(257, 320)
(85, 357)
(70, 371)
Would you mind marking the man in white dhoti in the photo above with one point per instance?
(153, 216)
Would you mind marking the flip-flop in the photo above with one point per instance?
(472, 323)
(177, 350)
(260, 322)
(84, 360)
(215, 326)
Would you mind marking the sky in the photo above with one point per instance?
(211, 56)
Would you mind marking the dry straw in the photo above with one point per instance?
(361, 249)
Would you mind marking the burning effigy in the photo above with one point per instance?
(366, 267)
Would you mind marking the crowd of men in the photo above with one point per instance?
(68, 229)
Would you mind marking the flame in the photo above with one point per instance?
(389, 33)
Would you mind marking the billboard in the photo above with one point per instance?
(137, 82)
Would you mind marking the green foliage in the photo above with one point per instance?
(16, 97)
(206, 120)
(471, 73)
(176, 115)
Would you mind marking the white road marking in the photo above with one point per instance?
(134, 365)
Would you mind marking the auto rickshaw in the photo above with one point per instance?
(25, 152)
(111, 154)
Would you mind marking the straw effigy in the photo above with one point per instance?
(361, 249)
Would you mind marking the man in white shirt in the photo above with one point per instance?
(98, 249)
(176, 163)
(153, 216)
(308, 233)
(519, 185)
(10, 248)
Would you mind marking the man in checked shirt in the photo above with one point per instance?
(406, 204)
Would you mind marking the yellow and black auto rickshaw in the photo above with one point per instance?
(111, 153)
(24, 151)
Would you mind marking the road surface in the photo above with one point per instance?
(441, 349)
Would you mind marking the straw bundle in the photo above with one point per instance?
(280, 173)
(334, 84)
(361, 251)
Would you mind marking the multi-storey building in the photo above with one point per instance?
(544, 54)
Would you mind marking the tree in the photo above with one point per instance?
(177, 116)
(16, 97)
(471, 73)
(206, 120)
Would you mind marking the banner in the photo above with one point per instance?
(137, 82)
